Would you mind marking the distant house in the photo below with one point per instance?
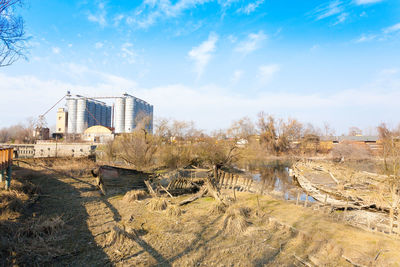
(372, 142)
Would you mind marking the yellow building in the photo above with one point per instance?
(98, 134)
(62, 121)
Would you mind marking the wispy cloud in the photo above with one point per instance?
(267, 72)
(128, 53)
(56, 50)
(237, 75)
(365, 38)
(98, 45)
(100, 16)
(202, 54)
(328, 9)
(384, 34)
(366, 2)
(251, 43)
(392, 29)
(251, 7)
(151, 11)
(341, 18)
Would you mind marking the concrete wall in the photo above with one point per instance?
(45, 150)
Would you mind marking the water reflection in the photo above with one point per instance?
(274, 178)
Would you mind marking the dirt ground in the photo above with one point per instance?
(106, 230)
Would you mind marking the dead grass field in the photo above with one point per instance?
(71, 223)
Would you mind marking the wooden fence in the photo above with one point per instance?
(6, 158)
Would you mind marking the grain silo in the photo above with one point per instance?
(71, 105)
(119, 115)
(103, 118)
(97, 113)
(129, 114)
(91, 112)
(81, 115)
(108, 118)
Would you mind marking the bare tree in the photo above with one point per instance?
(12, 34)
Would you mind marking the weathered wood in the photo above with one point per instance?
(199, 194)
(151, 191)
(298, 198)
(236, 180)
(166, 190)
(231, 183)
(222, 180)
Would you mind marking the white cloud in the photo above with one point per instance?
(251, 7)
(366, 38)
(365, 2)
(214, 107)
(56, 50)
(100, 16)
(128, 53)
(150, 11)
(237, 75)
(98, 45)
(327, 10)
(252, 42)
(341, 18)
(392, 29)
(202, 54)
(267, 72)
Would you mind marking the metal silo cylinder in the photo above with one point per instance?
(71, 105)
(103, 114)
(81, 115)
(108, 116)
(91, 112)
(97, 113)
(129, 111)
(119, 116)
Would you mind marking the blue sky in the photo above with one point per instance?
(214, 61)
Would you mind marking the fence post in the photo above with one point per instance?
(298, 198)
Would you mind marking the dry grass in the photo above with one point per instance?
(134, 195)
(235, 220)
(42, 228)
(174, 210)
(158, 204)
(119, 235)
(217, 208)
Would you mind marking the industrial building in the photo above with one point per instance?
(128, 111)
(85, 112)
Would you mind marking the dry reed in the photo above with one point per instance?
(235, 220)
(174, 210)
(134, 195)
(158, 204)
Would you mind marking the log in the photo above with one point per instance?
(200, 194)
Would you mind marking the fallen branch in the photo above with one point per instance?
(200, 194)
